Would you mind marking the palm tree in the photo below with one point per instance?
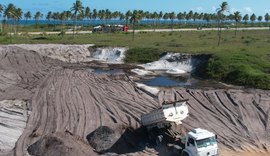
(201, 16)
(166, 16)
(10, 14)
(206, 17)
(220, 14)
(128, 14)
(108, 15)
(68, 14)
(76, 8)
(172, 16)
(246, 18)
(121, 17)
(147, 15)
(38, 16)
(180, 16)
(62, 18)
(189, 15)
(87, 13)
(115, 15)
(18, 16)
(81, 16)
(55, 17)
(27, 16)
(260, 18)
(253, 18)
(135, 17)
(155, 17)
(160, 15)
(101, 14)
(1, 11)
(94, 16)
(49, 17)
(195, 16)
(267, 18)
(237, 18)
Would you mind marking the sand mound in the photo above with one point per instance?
(66, 53)
(60, 144)
(103, 138)
(76, 53)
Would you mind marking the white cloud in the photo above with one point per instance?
(232, 10)
(247, 10)
(267, 11)
(199, 9)
(214, 9)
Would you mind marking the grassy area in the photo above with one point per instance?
(243, 60)
(142, 55)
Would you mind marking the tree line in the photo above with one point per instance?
(78, 11)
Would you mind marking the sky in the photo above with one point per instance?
(259, 7)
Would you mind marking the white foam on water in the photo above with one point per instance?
(175, 71)
(172, 63)
(109, 55)
(142, 72)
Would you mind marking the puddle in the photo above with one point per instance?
(106, 71)
(163, 80)
(179, 81)
(166, 81)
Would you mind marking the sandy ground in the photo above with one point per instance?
(13, 116)
(68, 103)
(229, 153)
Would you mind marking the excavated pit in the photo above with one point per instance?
(66, 103)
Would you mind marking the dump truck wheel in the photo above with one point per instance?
(185, 154)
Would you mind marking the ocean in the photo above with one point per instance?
(112, 22)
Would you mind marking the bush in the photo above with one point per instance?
(216, 69)
(3, 33)
(238, 73)
(142, 55)
(247, 76)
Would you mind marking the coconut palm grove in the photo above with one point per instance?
(10, 14)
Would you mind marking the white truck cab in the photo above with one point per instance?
(200, 142)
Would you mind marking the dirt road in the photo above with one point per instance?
(148, 30)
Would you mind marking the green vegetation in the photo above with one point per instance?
(142, 55)
(241, 69)
(243, 59)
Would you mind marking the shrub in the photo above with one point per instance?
(247, 76)
(238, 72)
(216, 69)
(142, 55)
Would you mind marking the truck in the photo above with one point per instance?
(197, 142)
(110, 28)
